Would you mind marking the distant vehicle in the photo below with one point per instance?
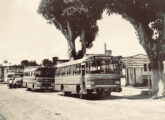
(18, 80)
(39, 78)
(10, 80)
(96, 73)
(15, 79)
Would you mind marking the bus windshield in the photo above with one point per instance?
(45, 72)
(10, 76)
(19, 75)
(104, 65)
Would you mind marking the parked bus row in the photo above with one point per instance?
(98, 74)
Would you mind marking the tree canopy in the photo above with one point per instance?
(27, 63)
(74, 18)
(47, 63)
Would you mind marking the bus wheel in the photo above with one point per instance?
(67, 93)
(28, 89)
(100, 94)
(89, 94)
(108, 94)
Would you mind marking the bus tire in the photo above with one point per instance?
(89, 94)
(107, 94)
(28, 89)
(100, 94)
(67, 93)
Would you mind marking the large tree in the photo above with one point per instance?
(148, 19)
(79, 18)
(74, 19)
(27, 63)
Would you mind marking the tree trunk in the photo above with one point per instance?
(71, 49)
(70, 39)
(71, 42)
(158, 78)
(81, 53)
(155, 51)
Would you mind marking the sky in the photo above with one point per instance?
(24, 34)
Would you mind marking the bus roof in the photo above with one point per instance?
(73, 62)
(29, 69)
(13, 73)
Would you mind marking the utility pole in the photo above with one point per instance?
(105, 48)
(107, 52)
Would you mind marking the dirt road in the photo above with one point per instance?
(19, 104)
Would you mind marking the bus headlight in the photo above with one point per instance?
(117, 82)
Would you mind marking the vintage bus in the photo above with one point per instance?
(39, 78)
(15, 79)
(96, 73)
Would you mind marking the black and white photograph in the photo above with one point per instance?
(82, 59)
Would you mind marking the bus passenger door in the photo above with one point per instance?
(83, 77)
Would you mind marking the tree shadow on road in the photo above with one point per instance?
(113, 97)
(131, 97)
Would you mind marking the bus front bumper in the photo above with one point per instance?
(41, 86)
(112, 88)
(45, 88)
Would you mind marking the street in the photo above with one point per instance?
(19, 104)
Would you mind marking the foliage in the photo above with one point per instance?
(83, 14)
(26, 63)
(47, 63)
(72, 16)
(5, 61)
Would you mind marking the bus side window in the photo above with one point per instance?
(69, 70)
(79, 69)
(65, 71)
(62, 71)
(73, 69)
(76, 69)
(87, 67)
(57, 71)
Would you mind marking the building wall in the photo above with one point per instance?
(135, 72)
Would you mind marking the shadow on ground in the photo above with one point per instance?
(112, 97)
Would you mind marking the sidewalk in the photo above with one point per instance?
(135, 90)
